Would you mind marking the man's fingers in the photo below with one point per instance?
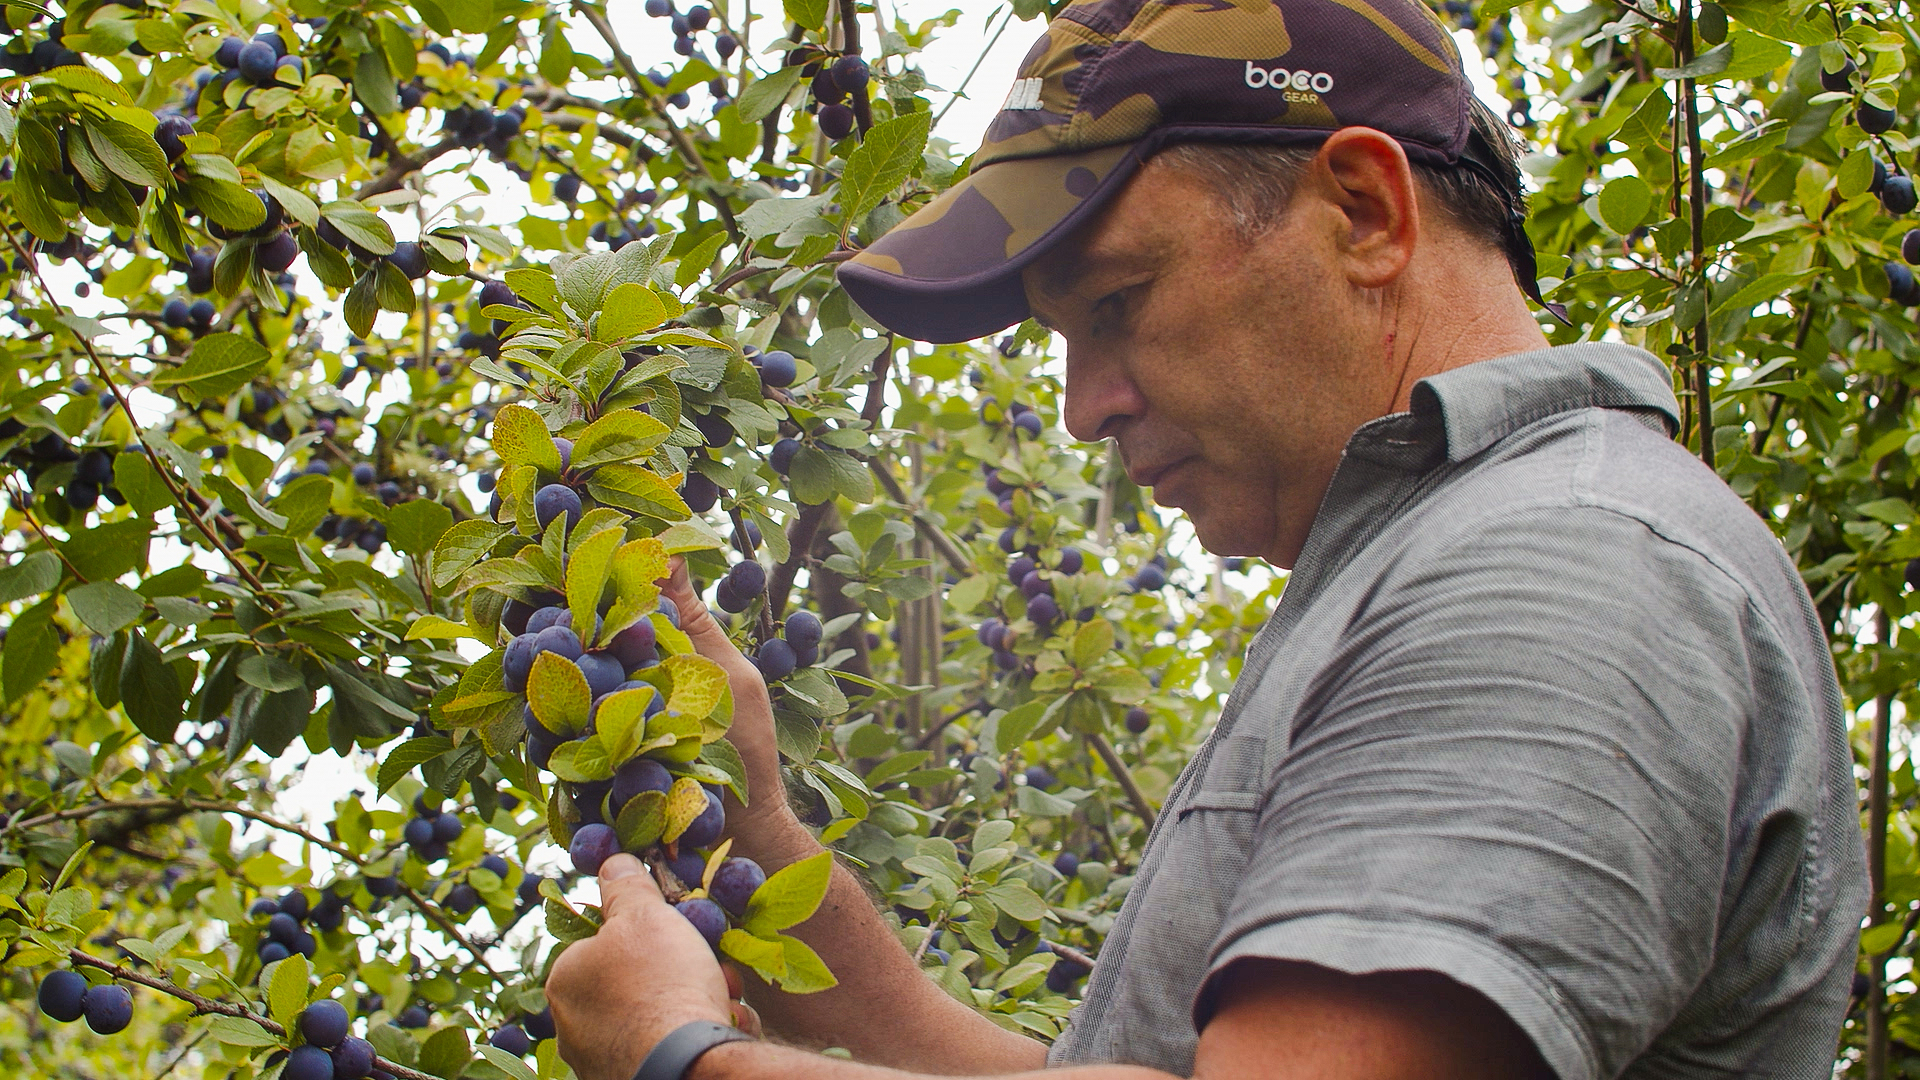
(626, 888)
(746, 1019)
(708, 636)
(735, 984)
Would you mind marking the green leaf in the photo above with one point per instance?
(129, 152)
(588, 567)
(806, 972)
(218, 365)
(1016, 899)
(107, 551)
(414, 527)
(373, 83)
(106, 606)
(520, 437)
(812, 476)
(762, 96)
(33, 575)
(891, 152)
(32, 650)
(515, 1068)
(766, 958)
(618, 436)
(362, 304)
(556, 57)
(134, 475)
(627, 310)
(360, 225)
(1712, 62)
(811, 14)
(149, 690)
(790, 896)
(270, 673)
(446, 1052)
(461, 546)
(642, 819)
(1624, 204)
(403, 758)
(696, 262)
(559, 694)
(287, 992)
(439, 626)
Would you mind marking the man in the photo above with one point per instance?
(1539, 768)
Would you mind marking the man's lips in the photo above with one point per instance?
(1150, 475)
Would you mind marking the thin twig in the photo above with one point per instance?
(1120, 772)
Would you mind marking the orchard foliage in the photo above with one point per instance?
(334, 651)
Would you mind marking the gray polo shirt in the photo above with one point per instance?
(1544, 707)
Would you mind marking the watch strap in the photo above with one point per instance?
(672, 1056)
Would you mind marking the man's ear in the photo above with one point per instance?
(1366, 179)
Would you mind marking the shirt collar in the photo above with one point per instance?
(1458, 413)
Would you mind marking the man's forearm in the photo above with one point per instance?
(762, 1061)
(885, 1010)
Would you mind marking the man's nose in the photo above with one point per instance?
(1101, 395)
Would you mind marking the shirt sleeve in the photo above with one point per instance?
(1520, 773)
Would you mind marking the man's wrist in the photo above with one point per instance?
(725, 1061)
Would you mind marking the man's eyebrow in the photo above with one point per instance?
(1062, 276)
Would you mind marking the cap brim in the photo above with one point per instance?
(951, 272)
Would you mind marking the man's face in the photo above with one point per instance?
(1217, 365)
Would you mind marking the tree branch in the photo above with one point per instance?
(1120, 772)
(203, 1005)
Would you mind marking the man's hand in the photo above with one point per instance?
(767, 822)
(647, 971)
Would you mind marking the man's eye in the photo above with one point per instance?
(1113, 304)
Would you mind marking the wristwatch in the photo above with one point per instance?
(672, 1056)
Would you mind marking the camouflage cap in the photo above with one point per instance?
(1111, 82)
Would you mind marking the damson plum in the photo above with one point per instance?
(1043, 610)
(277, 252)
(689, 866)
(777, 368)
(410, 259)
(706, 828)
(781, 456)
(803, 630)
(308, 1063)
(749, 579)
(634, 646)
(540, 1025)
(775, 659)
(257, 62)
(1067, 863)
(734, 884)
(283, 928)
(603, 672)
(61, 993)
(511, 1038)
(1137, 720)
(171, 132)
(836, 122)
(706, 917)
(554, 500)
(462, 898)
(636, 776)
(418, 832)
(353, 1059)
(593, 845)
(552, 615)
(324, 1023)
(447, 828)
(559, 640)
(517, 662)
(699, 493)
(109, 1008)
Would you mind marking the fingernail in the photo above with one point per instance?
(619, 866)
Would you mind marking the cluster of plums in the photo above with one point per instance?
(66, 996)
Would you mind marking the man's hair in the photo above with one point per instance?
(1256, 182)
